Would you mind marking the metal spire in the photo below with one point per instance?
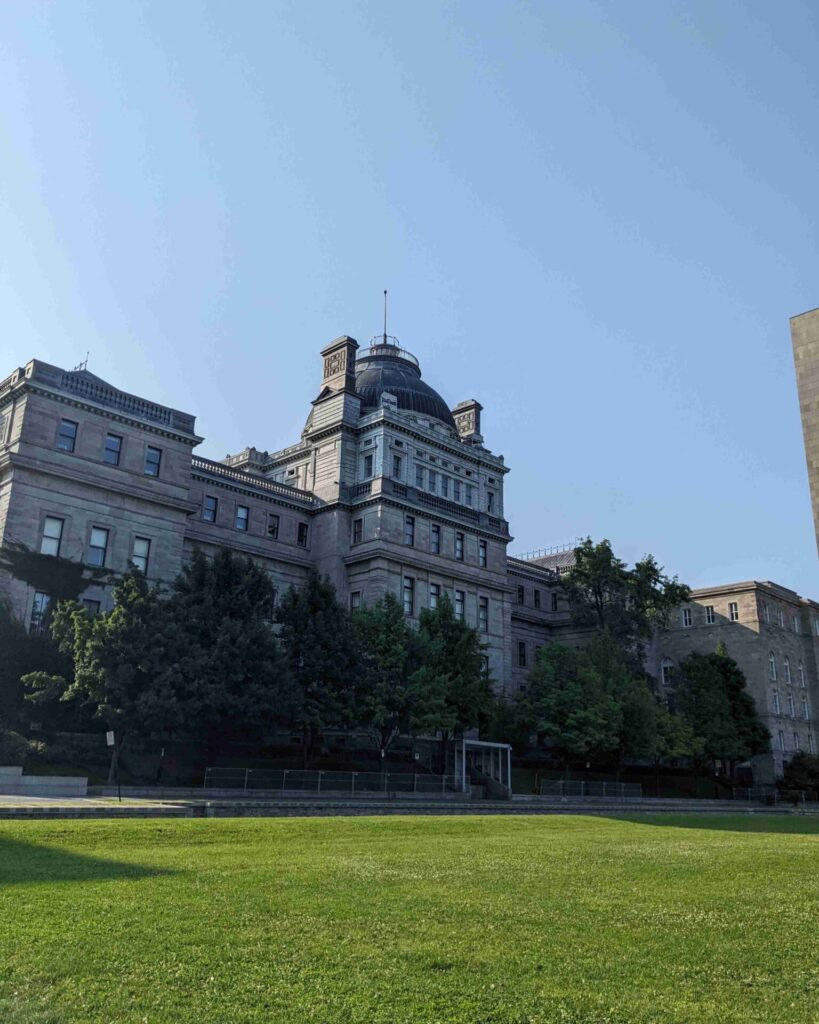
(385, 316)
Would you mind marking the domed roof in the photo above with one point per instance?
(386, 367)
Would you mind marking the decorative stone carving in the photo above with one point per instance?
(335, 363)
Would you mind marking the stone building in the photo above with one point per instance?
(805, 338)
(773, 635)
(387, 490)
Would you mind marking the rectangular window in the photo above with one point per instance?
(433, 481)
(419, 477)
(358, 531)
(153, 460)
(460, 601)
(775, 702)
(396, 467)
(91, 606)
(456, 490)
(459, 547)
(141, 552)
(301, 535)
(242, 518)
(482, 549)
(435, 539)
(209, 507)
(52, 536)
(368, 466)
(97, 547)
(409, 595)
(272, 526)
(434, 594)
(805, 709)
(444, 486)
(709, 615)
(469, 489)
(490, 501)
(536, 595)
(816, 627)
(781, 617)
(67, 436)
(686, 617)
(554, 602)
(39, 613)
(811, 743)
(733, 611)
(791, 708)
(409, 531)
(355, 600)
(483, 614)
(113, 449)
(796, 744)
(766, 611)
(781, 740)
(522, 654)
(795, 623)
(521, 595)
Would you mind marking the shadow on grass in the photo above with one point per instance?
(782, 824)
(22, 863)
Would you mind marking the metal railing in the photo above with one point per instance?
(290, 780)
(618, 790)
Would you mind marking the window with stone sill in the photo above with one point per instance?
(358, 531)
(67, 436)
(302, 535)
(733, 611)
(242, 518)
(97, 547)
(686, 617)
(153, 460)
(141, 553)
(52, 536)
(209, 508)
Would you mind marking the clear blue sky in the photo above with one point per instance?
(594, 218)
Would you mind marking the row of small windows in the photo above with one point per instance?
(780, 618)
(797, 742)
(772, 669)
(98, 541)
(112, 451)
(536, 601)
(241, 520)
(776, 705)
(710, 615)
(435, 591)
(458, 548)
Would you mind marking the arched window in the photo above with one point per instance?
(787, 669)
(775, 702)
(667, 668)
(800, 668)
(772, 663)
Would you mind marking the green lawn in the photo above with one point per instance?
(497, 920)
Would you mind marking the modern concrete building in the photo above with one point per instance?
(773, 635)
(387, 489)
(805, 338)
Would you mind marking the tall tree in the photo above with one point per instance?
(385, 694)
(225, 664)
(711, 696)
(566, 704)
(321, 650)
(451, 677)
(605, 594)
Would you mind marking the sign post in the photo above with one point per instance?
(111, 741)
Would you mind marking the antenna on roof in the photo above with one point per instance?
(83, 365)
(385, 316)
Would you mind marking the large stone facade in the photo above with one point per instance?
(805, 338)
(773, 635)
(388, 490)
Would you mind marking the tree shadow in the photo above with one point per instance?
(775, 824)
(23, 863)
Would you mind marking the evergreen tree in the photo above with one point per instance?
(711, 696)
(453, 689)
(321, 651)
(565, 702)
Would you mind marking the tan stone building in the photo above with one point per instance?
(388, 489)
(805, 338)
(773, 635)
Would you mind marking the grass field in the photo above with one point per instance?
(491, 920)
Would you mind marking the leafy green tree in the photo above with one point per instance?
(321, 651)
(385, 697)
(454, 691)
(630, 603)
(711, 696)
(565, 702)
(801, 775)
(223, 663)
(116, 660)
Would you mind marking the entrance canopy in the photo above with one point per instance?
(488, 763)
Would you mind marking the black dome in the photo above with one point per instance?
(398, 373)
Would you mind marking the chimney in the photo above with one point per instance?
(339, 364)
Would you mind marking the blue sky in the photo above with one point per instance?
(594, 218)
